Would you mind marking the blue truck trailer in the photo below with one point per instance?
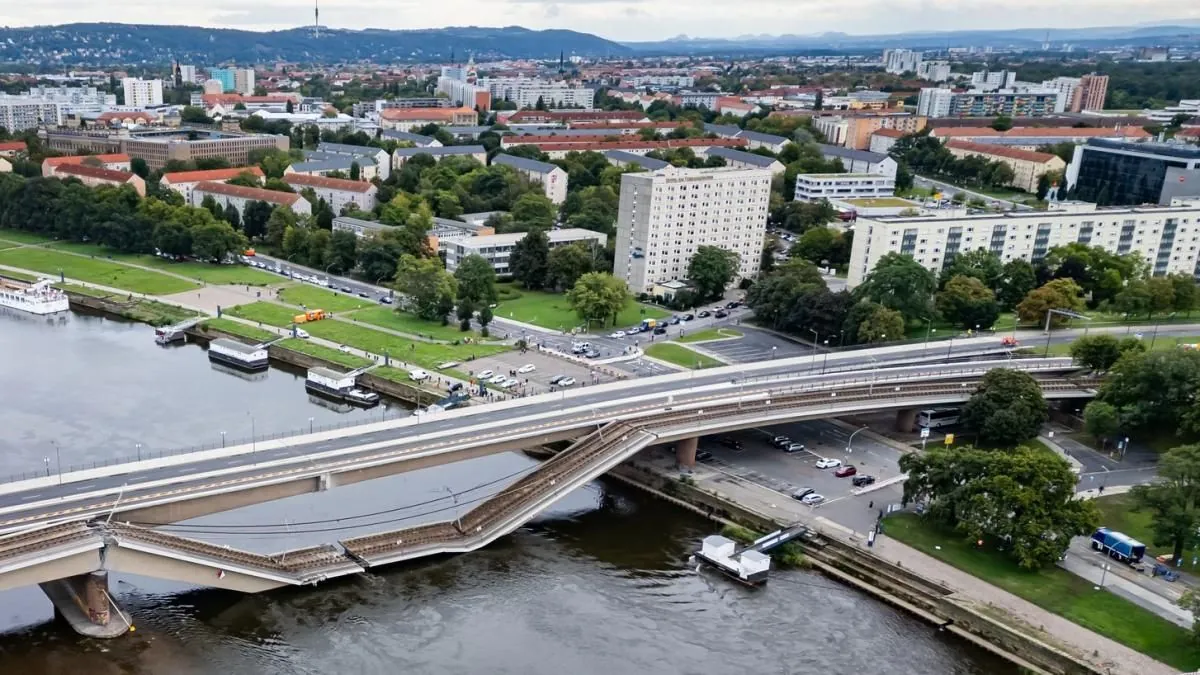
(1118, 545)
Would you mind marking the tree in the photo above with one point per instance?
(1190, 601)
(231, 216)
(774, 297)
(533, 211)
(1007, 409)
(566, 264)
(1101, 352)
(255, 218)
(880, 324)
(476, 281)
(139, 166)
(1024, 499)
(210, 204)
(215, 240)
(901, 283)
(430, 287)
(529, 259)
(278, 222)
(245, 179)
(1002, 123)
(1061, 294)
(981, 264)
(1101, 420)
(1017, 278)
(816, 245)
(711, 270)
(1155, 390)
(1186, 295)
(968, 303)
(1173, 500)
(378, 255)
(598, 297)
(355, 171)
(343, 252)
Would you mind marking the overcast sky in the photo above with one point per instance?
(615, 19)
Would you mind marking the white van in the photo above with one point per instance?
(580, 347)
(417, 375)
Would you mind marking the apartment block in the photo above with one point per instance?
(337, 192)
(95, 176)
(1028, 165)
(551, 176)
(665, 216)
(1024, 102)
(21, 114)
(240, 196)
(184, 182)
(816, 186)
(1167, 237)
(142, 93)
(497, 248)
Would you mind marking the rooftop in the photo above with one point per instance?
(94, 172)
(346, 149)
(115, 158)
(1166, 149)
(235, 346)
(407, 136)
(359, 222)
(524, 163)
(1056, 208)
(423, 114)
(648, 163)
(1038, 132)
(328, 372)
(851, 153)
(323, 162)
(445, 150)
(1003, 151)
(565, 234)
(12, 146)
(751, 158)
(256, 194)
(881, 202)
(328, 183)
(763, 138)
(213, 175)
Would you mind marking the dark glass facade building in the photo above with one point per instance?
(1117, 173)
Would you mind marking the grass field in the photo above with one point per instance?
(1116, 512)
(681, 356)
(21, 237)
(265, 312)
(1160, 343)
(711, 334)
(386, 317)
(19, 276)
(1056, 590)
(94, 271)
(239, 328)
(322, 352)
(241, 275)
(551, 310)
(319, 298)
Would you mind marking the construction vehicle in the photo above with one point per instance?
(311, 315)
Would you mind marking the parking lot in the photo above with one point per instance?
(757, 345)
(545, 368)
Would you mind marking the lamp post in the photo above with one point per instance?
(850, 441)
(46, 461)
(58, 459)
(453, 496)
(222, 439)
(310, 425)
(816, 339)
(138, 446)
(874, 369)
(825, 361)
(929, 329)
(253, 434)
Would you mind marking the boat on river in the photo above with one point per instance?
(37, 298)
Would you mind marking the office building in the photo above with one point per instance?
(663, 217)
(1168, 238)
(1028, 165)
(1111, 172)
(551, 176)
(22, 114)
(900, 61)
(142, 93)
(338, 193)
(240, 196)
(497, 248)
(811, 187)
(158, 146)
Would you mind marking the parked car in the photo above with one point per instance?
(385, 299)
(417, 375)
(801, 493)
(484, 374)
(363, 294)
(617, 334)
(566, 382)
(527, 368)
(302, 334)
(660, 331)
(592, 354)
(721, 314)
(828, 463)
(862, 480)
(497, 379)
(781, 441)
(345, 348)
(731, 443)
(732, 305)
(689, 317)
(794, 447)
(510, 383)
(848, 470)
(812, 499)
(704, 314)
(557, 378)
(674, 321)
(347, 289)
(703, 456)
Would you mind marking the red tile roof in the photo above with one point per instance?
(326, 182)
(629, 125)
(137, 115)
(1022, 132)
(552, 143)
(94, 172)
(13, 146)
(890, 133)
(256, 194)
(1002, 151)
(576, 115)
(234, 99)
(422, 114)
(115, 158)
(212, 175)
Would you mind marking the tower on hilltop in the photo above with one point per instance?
(316, 19)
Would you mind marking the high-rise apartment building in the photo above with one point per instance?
(666, 215)
(1091, 93)
(897, 61)
(187, 74)
(142, 93)
(19, 114)
(240, 80)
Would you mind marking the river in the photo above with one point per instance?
(600, 584)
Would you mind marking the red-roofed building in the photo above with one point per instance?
(240, 196)
(95, 176)
(222, 103)
(12, 148)
(882, 140)
(407, 119)
(557, 147)
(1030, 138)
(184, 182)
(116, 161)
(118, 118)
(574, 116)
(1027, 165)
(337, 192)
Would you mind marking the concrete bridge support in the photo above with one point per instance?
(685, 452)
(84, 602)
(906, 419)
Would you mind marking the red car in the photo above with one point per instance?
(847, 470)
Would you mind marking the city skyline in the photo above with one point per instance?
(624, 20)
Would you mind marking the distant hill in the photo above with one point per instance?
(114, 43)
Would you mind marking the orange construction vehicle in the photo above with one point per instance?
(310, 315)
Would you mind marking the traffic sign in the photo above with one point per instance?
(924, 432)
(949, 439)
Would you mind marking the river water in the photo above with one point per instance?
(600, 584)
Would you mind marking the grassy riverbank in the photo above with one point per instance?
(91, 270)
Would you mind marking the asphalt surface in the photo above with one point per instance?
(758, 345)
(245, 465)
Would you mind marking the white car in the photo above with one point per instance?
(418, 375)
(448, 364)
(484, 374)
(498, 379)
(812, 499)
(566, 382)
(302, 334)
(828, 463)
(617, 334)
(345, 348)
(527, 368)
(510, 383)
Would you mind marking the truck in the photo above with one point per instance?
(310, 315)
(1118, 545)
(648, 325)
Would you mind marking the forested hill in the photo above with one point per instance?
(113, 43)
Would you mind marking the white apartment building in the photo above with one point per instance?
(934, 71)
(72, 100)
(497, 248)
(338, 193)
(665, 216)
(811, 187)
(1167, 237)
(525, 92)
(700, 99)
(243, 80)
(897, 61)
(188, 74)
(642, 81)
(142, 93)
(21, 114)
(240, 197)
(551, 176)
(935, 102)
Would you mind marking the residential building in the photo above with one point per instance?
(461, 132)
(373, 162)
(1111, 172)
(158, 146)
(754, 139)
(526, 92)
(71, 100)
(663, 217)
(445, 230)
(1023, 102)
(623, 159)
(1032, 138)
(883, 140)
(22, 114)
(1091, 93)
(934, 71)
(860, 161)
(478, 219)
(935, 102)
(338, 193)
(239, 80)
(142, 93)
(477, 152)
(1167, 237)
(114, 162)
(225, 76)
(322, 165)
(658, 81)
(738, 159)
(5, 165)
(361, 228)
(239, 197)
(557, 147)
(497, 248)
(187, 74)
(811, 187)
(993, 80)
(12, 148)
(900, 61)
(551, 176)
(1028, 165)
(699, 99)
(854, 130)
(95, 176)
(1066, 87)
(417, 140)
(407, 119)
(466, 94)
(184, 182)
(566, 117)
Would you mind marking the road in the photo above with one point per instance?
(950, 190)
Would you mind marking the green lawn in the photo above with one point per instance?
(681, 356)
(1058, 591)
(19, 276)
(1160, 343)
(710, 334)
(425, 354)
(239, 328)
(551, 310)
(319, 298)
(241, 275)
(1116, 512)
(7, 244)
(386, 317)
(22, 237)
(322, 352)
(94, 271)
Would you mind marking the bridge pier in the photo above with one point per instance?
(83, 601)
(685, 452)
(906, 419)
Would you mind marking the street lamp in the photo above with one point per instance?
(138, 446)
(874, 369)
(46, 461)
(816, 338)
(457, 520)
(310, 425)
(928, 330)
(222, 439)
(58, 459)
(850, 441)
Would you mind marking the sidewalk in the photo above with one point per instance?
(1118, 581)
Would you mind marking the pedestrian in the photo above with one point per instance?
(871, 504)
